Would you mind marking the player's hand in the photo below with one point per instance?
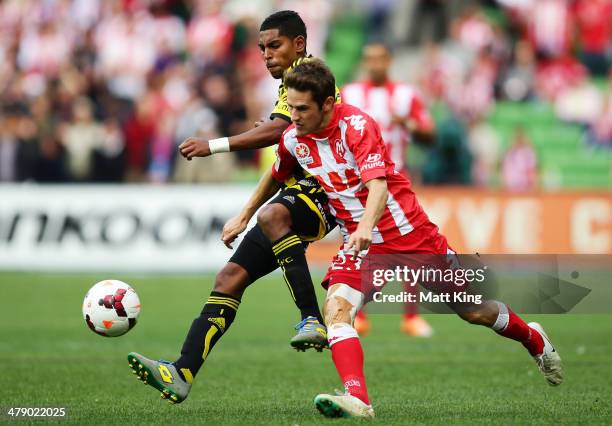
(259, 122)
(358, 241)
(398, 120)
(232, 228)
(194, 147)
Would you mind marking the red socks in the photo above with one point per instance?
(362, 315)
(348, 357)
(517, 329)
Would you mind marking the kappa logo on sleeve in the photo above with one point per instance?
(357, 122)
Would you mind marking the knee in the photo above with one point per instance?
(231, 280)
(274, 220)
(337, 310)
(484, 314)
(341, 304)
(475, 317)
(338, 313)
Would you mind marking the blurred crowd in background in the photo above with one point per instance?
(105, 91)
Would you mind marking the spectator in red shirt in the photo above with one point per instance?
(556, 75)
(594, 32)
(138, 132)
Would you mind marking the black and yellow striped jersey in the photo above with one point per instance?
(281, 110)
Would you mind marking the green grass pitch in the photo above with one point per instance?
(463, 375)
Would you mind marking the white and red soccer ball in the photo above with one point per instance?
(111, 308)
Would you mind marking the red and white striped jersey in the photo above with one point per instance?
(383, 103)
(343, 157)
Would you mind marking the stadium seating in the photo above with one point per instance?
(565, 160)
(346, 39)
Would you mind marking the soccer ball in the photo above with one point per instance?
(111, 308)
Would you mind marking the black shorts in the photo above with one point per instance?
(310, 221)
(307, 203)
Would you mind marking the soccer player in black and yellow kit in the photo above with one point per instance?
(295, 217)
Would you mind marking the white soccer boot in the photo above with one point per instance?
(342, 405)
(549, 362)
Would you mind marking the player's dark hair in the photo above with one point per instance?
(382, 43)
(287, 22)
(312, 76)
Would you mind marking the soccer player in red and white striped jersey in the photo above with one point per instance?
(350, 158)
(397, 107)
(400, 111)
(341, 146)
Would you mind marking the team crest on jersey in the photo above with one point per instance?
(339, 147)
(302, 154)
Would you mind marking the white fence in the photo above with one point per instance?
(116, 228)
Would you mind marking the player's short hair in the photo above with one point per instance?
(287, 22)
(312, 76)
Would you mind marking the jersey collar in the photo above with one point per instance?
(331, 127)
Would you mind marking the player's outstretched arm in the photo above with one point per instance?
(266, 188)
(265, 134)
(423, 134)
(375, 206)
(420, 123)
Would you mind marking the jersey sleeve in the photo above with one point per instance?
(420, 115)
(368, 148)
(285, 163)
(281, 108)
